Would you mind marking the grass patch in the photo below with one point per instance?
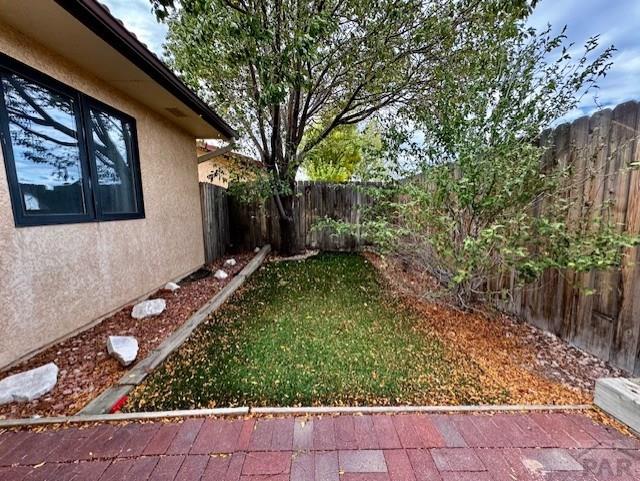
(320, 331)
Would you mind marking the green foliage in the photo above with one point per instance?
(477, 202)
(335, 158)
(344, 154)
(318, 332)
(258, 186)
(374, 152)
(275, 68)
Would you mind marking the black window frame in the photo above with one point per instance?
(82, 104)
(88, 103)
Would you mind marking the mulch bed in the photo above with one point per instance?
(534, 367)
(86, 369)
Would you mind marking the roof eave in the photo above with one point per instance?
(95, 17)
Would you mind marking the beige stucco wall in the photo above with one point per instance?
(206, 168)
(56, 279)
(226, 167)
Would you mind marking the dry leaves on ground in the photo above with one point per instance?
(532, 366)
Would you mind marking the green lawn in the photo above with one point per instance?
(320, 331)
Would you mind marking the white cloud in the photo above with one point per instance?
(139, 19)
(615, 20)
(628, 61)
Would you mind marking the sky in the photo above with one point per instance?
(617, 22)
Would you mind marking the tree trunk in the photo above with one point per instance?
(288, 237)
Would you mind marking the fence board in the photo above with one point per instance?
(215, 221)
(254, 225)
(607, 323)
(624, 341)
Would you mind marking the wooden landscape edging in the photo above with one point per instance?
(297, 411)
(620, 397)
(103, 404)
(418, 409)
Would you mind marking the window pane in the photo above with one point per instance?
(113, 154)
(43, 133)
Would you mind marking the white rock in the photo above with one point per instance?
(256, 250)
(171, 286)
(220, 274)
(230, 262)
(123, 348)
(29, 385)
(152, 307)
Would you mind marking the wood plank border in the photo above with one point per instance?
(620, 398)
(417, 409)
(273, 411)
(116, 417)
(105, 401)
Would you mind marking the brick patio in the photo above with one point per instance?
(503, 447)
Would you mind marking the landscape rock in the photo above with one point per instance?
(123, 348)
(220, 274)
(256, 250)
(152, 307)
(230, 262)
(171, 286)
(29, 385)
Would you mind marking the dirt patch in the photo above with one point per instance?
(85, 367)
(532, 366)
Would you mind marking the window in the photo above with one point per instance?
(46, 151)
(68, 157)
(112, 146)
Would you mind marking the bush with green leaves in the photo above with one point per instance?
(471, 199)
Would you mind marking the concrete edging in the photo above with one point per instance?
(108, 398)
(297, 411)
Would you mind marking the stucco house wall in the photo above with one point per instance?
(221, 165)
(57, 279)
(226, 165)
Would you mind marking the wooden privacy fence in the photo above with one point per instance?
(215, 220)
(254, 225)
(600, 150)
(607, 322)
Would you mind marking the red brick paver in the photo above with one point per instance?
(403, 447)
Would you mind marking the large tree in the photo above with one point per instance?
(276, 68)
